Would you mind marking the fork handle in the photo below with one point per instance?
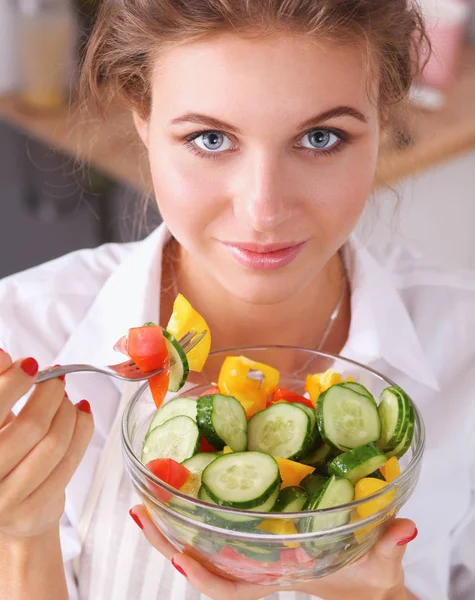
(55, 372)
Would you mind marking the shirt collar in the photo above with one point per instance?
(381, 326)
(129, 297)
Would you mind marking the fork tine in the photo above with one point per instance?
(192, 341)
(186, 339)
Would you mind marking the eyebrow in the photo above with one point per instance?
(218, 124)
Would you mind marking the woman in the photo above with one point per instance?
(262, 121)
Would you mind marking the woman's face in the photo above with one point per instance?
(263, 154)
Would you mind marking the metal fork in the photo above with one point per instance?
(127, 371)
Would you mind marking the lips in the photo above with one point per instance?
(264, 256)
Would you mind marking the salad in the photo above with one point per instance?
(249, 444)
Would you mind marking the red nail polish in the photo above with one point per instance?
(29, 366)
(84, 406)
(405, 541)
(178, 568)
(61, 376)
(135, 518)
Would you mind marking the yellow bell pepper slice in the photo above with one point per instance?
(292, 472)
(227, 450)
(252, 394)
(320, 382)
(185, 320)
(391, 470)
(361, 534)
(366, 487)
(280, 527)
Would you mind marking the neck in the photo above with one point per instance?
(299, 321)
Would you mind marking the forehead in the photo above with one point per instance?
(288, 75)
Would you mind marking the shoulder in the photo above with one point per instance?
(42, 305)
(440, 300)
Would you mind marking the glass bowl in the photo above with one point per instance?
(227, 541)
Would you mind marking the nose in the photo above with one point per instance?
(260, 197)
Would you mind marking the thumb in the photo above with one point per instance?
(392, 546)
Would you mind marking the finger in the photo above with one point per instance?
(206, 582)
(5, 361)
(388, 552)
(15, 382)
(42, 460)
(5, 364)
(31, 425)
(218, 587)
(58, 480)
(140, 515)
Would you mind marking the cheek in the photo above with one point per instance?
(188, 192)
(342, 189)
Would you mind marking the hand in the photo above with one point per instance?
(377, 575)
(39, 449)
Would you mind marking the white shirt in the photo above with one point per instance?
(411, 320)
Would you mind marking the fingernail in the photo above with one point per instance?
(135, 518)
(405, 541)
(178, 568)
(84, 406)
(29, 366)
(61, 376)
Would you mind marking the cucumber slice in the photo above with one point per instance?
(335, 492)
(230, 521)
(406, 442)
(358, 388)
(177, 438)
(311, 414)
(179, 368)
(291, 499)
(196, 464)
(347, 419)
(241, 480)
(222, 420)
(313, 483)
(393, 411)
(320, 458)
(357, 463)
(283, 430)
(179, 407)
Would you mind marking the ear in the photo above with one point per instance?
(141, 125)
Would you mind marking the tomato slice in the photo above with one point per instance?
(169, 471)
(158, 384)
(146, 346)
(283, 395)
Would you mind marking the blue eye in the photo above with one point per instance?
(320, 139)
(213, 141)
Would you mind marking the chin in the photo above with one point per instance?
(260, 290)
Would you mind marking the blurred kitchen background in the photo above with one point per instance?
(69, 180)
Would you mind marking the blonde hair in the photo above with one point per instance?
(129, 34)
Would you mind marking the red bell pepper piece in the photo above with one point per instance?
(211, 391)
(283, 395)
(169, 471)
(158, 384)
(205, 446)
